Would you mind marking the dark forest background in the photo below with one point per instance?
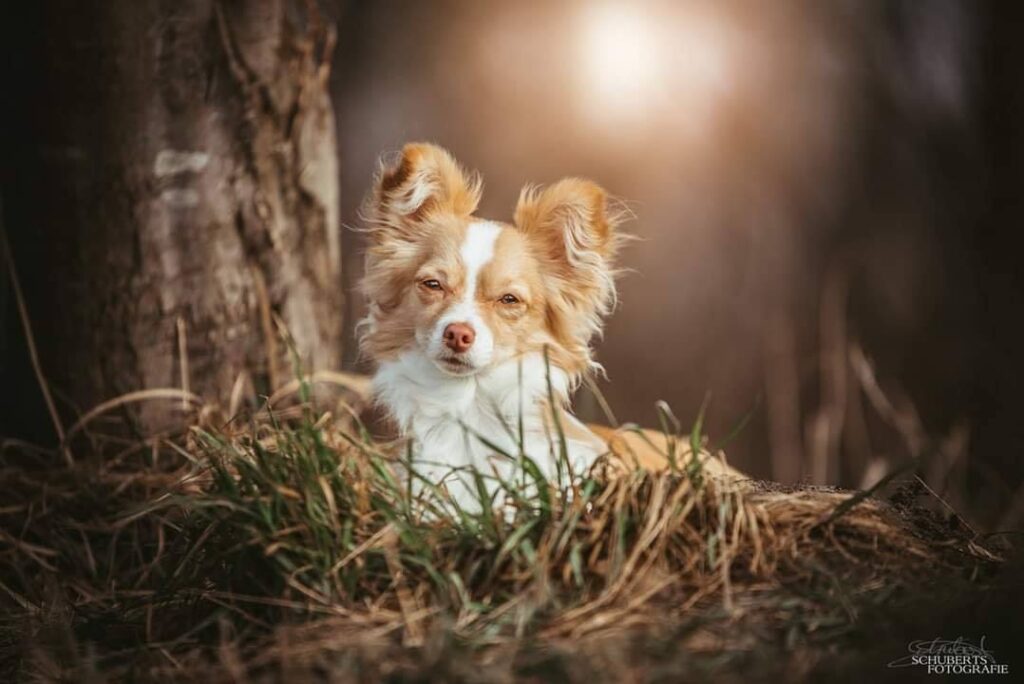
(828, 198)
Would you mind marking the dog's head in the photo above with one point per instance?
(468, 293)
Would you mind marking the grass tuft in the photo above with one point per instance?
(293, 542)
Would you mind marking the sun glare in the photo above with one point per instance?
(642, 60)
(621, 53)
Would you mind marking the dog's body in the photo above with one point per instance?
(481, 330)
(457, 422)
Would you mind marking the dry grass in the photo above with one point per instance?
(286, 546)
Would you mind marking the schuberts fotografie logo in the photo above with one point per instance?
(954, 657)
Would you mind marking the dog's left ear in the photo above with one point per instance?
(574, 225)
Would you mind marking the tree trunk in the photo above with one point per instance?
(187, 152)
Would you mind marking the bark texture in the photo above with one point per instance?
(191, 198)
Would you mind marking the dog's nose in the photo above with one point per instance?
(459, 337)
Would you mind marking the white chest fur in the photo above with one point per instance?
(452, 419)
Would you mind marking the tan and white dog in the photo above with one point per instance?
(481, 329)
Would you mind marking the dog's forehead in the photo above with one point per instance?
(481, 247)
(442, 241)
(479, 243)
(513, 265)
(511, 248)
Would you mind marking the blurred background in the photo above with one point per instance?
(827, 199)
(826, 195)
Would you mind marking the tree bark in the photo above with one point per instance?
(187, 151)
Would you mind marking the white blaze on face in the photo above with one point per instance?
(476, 252)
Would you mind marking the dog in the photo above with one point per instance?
(481, 330)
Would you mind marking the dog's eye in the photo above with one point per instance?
(431, 284)
(509, 299)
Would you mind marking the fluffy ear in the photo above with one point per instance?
(425, 181)
(573, 225)
(573, 216)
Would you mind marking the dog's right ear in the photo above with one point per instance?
(425, 182)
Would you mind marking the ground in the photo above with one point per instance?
(285, 547)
